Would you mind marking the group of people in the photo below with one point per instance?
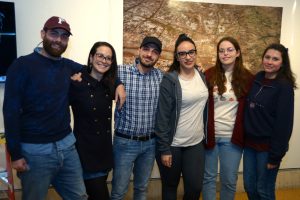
(188, 119)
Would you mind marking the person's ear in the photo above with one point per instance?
(238, 53)
(91, 59)
(43, 34)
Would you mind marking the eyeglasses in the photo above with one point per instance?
(228, 50)
(100, 56)
(183, 54)
(56, 34)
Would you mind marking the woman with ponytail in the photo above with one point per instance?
(180, 123)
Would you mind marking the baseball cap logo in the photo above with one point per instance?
(61, 20)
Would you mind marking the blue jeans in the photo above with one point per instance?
(229, 156)
(131, 155)
(61, 168)
(259, 182)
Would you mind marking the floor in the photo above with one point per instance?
(282, 194)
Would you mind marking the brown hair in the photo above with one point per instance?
(239, 75)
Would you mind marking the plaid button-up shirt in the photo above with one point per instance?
(137, 117)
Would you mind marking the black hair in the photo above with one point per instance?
(111, 74)
(285, 71)
(175, 66)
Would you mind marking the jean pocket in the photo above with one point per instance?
(119, 141)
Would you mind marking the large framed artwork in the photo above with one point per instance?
(206, 23)
(8, 48)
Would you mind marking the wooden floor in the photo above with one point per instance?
(282, 194)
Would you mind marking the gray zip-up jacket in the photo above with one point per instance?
(168, 111)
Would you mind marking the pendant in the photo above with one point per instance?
(252, 105)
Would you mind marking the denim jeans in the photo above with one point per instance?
(188, 161)
(61, 168)
(259, 182)
(229, 156)
(132, 156)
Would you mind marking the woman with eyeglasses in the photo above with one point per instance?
(268, 122)
(228, 84)
(91, 102)
(180, 123)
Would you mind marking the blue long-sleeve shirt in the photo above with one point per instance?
(36, 107)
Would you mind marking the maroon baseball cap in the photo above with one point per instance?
(57, 22)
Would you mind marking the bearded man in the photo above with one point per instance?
(134, 138)
(37, 118)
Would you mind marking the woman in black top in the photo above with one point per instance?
(91, 102)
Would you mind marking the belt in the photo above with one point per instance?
(136, 137)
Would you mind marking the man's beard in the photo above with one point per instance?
(51, 51)
(146, 65)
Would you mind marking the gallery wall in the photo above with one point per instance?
(95, 20)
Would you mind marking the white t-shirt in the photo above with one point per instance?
(190, 128)
(225, 109)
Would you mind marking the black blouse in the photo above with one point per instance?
(91, 103)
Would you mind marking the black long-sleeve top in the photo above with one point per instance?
(91, 103)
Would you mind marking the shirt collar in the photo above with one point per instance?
(39, 51)
(86, 76)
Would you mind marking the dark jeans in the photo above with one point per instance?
(259, 182)
(190, 162)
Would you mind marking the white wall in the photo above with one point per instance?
(90, 21)
(95, 20)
